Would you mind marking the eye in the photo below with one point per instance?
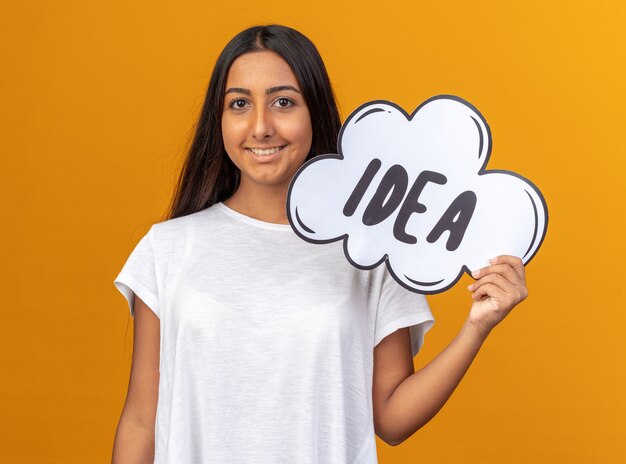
(238, 104)
(284, 102)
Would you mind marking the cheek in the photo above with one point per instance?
(299, 131)
(231, 133)
(231, 141)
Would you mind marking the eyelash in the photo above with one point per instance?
(289, 100)
(232, 103)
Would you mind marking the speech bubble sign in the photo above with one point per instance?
(413, 191)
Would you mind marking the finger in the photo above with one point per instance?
(503, 269)
(516, 263)
(508, 299)
(489, 290)
(494, 279)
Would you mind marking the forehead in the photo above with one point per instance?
(260, 70)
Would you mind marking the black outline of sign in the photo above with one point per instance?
(481, 171)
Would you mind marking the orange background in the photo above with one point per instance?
(98, 101)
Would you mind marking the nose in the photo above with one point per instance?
(261, 125)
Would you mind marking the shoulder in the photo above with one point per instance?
(172, 234)
(178, 226)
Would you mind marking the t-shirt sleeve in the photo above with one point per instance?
(399, 308)
(139, 276)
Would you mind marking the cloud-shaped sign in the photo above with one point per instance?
(413, 191)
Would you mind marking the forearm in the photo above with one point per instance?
(134, 443)
(419, 397)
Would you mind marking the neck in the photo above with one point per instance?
(265, 203)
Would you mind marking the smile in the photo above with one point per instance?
(265, 151)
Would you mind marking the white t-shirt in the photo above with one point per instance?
(266, 340)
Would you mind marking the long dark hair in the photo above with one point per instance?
(208, 176)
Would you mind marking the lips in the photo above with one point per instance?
(265, 151)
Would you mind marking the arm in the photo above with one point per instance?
(134, 438)
(405, 400)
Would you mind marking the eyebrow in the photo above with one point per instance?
(278, 88)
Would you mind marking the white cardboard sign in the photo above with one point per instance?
(413, 191)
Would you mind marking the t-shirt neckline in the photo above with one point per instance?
(250, 220)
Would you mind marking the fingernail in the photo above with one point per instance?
(470, 287)
(476, 273)
(493, 260)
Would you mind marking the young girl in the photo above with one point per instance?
(251, 344)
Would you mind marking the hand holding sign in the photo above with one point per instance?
(497, 290)
(412, 190)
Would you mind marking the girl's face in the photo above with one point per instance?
(266, 124)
